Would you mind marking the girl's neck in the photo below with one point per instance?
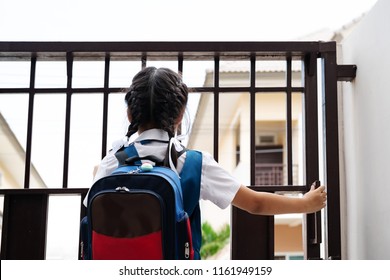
(146, 127)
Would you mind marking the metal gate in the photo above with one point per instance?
(25, 210)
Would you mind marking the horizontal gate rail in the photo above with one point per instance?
(306, 52)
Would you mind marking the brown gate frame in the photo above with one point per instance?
(25, 210)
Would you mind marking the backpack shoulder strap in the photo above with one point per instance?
(124, 153)
(190, 177)
(129, 156)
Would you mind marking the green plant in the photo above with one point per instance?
(213, 241)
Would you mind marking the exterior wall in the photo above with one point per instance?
(12, 160)
(7, 181)
(288, 239)
(366, 137)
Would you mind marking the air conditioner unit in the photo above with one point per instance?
(267, 140)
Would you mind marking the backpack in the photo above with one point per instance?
(143, 211)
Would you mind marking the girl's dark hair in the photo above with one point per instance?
(157, 97)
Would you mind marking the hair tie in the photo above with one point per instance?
(178, 147)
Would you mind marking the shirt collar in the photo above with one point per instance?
(162, 135)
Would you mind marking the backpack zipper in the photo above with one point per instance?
(187, 250)
(122, 189)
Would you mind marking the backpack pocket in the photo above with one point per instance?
(184, 246)
(127, 225)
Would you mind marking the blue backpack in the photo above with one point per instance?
(144, 212)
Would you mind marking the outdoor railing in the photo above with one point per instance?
(25, 210)
(268, 174)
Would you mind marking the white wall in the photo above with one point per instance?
(366, 126)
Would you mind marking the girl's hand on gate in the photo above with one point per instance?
(315, 199)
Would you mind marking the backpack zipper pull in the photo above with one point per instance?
(135, 171)
(145, 167)
(122, 189)
(187, 250)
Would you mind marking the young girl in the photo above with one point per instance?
(156, 102)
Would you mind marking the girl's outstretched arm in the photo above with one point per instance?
(262, 203)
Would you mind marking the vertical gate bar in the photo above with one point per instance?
(312, 239)
(265, 234)
(289, 122)
(4, 227)
(216, 107)
(30, 116)
(253, 119)
(143, 60)
(69, 72)
(332, 171)
(105, 103)
(180, 63)
(180, 71)
(252, 235)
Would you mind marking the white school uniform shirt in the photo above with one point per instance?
(217, 185)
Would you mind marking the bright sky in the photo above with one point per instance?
(97, 20)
